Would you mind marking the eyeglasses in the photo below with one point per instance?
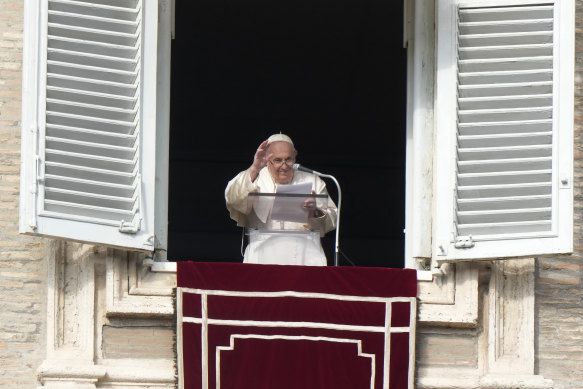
(278, 162)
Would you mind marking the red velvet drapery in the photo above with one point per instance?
(272, 326)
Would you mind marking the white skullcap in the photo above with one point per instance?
(279, 138)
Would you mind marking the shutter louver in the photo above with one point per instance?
(91, 144)
(504, 121)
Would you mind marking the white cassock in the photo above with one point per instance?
(300, 243)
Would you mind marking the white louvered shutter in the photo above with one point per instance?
(510, 132)
(85, 134)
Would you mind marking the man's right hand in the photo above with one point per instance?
(259, 160)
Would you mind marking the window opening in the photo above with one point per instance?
(329, 74)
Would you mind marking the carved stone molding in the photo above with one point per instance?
(64, 373)
(77, 287)
(134, 290)
(506, 343)
(70, 317)
(511, 326)
(451, 299)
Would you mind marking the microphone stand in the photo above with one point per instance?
(337, 244)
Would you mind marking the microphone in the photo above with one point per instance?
(301, 168)
(297, 166)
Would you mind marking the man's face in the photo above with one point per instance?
(281, 156)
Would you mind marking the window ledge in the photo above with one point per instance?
(450, 297)
(160, 267)
(424, 275)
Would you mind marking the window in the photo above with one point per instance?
(329, 74)
(95, 127)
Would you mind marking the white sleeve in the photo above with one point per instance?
(236, 194)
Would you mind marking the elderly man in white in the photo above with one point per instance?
(300, 243)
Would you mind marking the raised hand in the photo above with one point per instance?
(259, 160)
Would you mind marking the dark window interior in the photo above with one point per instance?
(330, 74)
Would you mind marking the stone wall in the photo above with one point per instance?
(22, 265)
(559, 319)
(559, 289)
(134, 340)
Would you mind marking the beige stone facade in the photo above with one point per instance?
(23, 270)
(73, 315)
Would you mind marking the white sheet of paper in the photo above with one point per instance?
(303, 188)
(290, 208)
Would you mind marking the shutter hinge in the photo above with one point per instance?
(39, 171)
(130, 228)
(150, 241)
(464, 242)
(33, 223)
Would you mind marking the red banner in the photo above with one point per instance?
(272, 326)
